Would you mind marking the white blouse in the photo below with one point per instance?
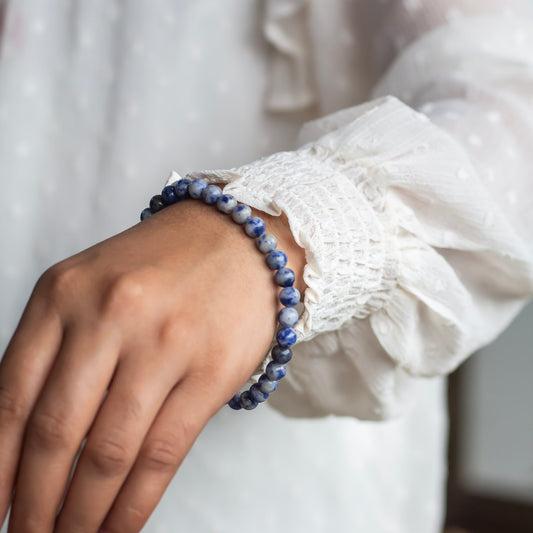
(414, 208)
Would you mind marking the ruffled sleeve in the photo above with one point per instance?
(416, 217)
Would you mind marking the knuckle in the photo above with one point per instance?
(125, 292)
(49, 431)
(12, 408)
(108, 457)
(30, 522)
(59, 281)
(161, 454)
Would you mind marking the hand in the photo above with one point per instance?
(132, 345)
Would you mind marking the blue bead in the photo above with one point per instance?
(288, 317)
(266, 243)
(169, 195)
(285, 277)
(156, 203)
(196, 188)
(241, 213)
(275, 371)
(276, 259)
(211, 194)
(281, 355)
(226, 203)
(289, 296)
(145, 213)
(247, 402)
(286, 337)
(254, 227)
(182, 188)
(257, 394)
(235, 402)
(267, 385)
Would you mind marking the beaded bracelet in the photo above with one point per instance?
(289, 296)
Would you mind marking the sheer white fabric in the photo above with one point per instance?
(414, 208)
(409, 220)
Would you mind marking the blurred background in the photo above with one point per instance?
(490, 488)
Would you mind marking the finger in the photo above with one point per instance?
(183, 415)
(60, 420)
(23, 370)
(129, 409)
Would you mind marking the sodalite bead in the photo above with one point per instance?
(266, 243)
(169, 195)
(281, 355)
(145, 213)
(235, 402)
(254, 227)
(267, 385)
(247, 402)
(182, 188)
(289, 296)
(226, 203)
(257, 394)
(211, 194)
(285, 277)
(196, 188)
(288, 317)
(156, 203)
(286, 337)
(276, 259)
(275, 371)
(241, 214)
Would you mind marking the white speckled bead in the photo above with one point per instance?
(254, 227)
(211, 194)
(267, 385)
(196, 188)
(285, 277)
(288, 317)
(226, 204)
(241, 214)
(267, 242)
(276, 259)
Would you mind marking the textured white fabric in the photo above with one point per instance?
(399, 217)
(417, 232)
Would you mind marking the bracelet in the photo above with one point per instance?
(281, 353)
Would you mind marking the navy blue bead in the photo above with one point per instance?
(275, 371)
(169, 195)
(182, 188)
(267, 385)
(241, 213)
(257, 394)
(247, 402)
(288, 317)
(156, 203)
(289, 296)
(211, 194)
(254, 227)
(226, 203)
(235, 402)
(266, 243)
(145, 213)
(276, 259)
(281, 354)
(286, 337)
(196, 188)
(285, 277)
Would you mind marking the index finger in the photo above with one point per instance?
(23, 370)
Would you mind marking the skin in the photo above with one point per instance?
(132, 344)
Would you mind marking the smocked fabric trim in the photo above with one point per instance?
(351, 264)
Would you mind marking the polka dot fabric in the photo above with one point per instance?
(414, 209)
